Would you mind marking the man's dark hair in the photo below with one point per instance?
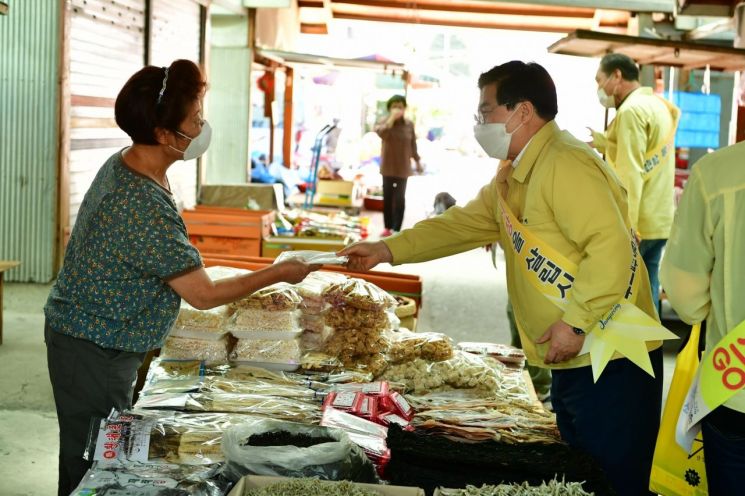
(395, 99)
(520, 82)
(145, 103)
(624, 63)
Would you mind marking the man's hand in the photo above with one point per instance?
(294, 271)
(365, 255)
(565, 344)
(419, 167)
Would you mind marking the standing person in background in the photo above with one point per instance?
(639, 145)
(702, 274)
(129, 261)
(399, 147)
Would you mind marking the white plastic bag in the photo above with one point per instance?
(312, 257)
(337, 459)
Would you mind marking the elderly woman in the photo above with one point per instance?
(129, 261)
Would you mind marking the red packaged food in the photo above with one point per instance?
(369, 388)
(368, 408)
(392, 418)
(347, 401)
(395, 403)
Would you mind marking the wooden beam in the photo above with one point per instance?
(63, 138)
(307, 28)
(456, 23)
(288, 118)
(314, 4)
(472, 7)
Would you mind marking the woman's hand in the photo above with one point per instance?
(294, 270)
(366, 255)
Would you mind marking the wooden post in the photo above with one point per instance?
(288, 118)
(63, 143)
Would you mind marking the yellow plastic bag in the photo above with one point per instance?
(675, 472)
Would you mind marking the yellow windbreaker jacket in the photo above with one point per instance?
(702, 271)
(642, 124)
(570, 199)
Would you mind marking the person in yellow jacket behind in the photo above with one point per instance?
(638, 144)
(702, 274)
(559, 189)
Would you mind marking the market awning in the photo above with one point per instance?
(289, 58)
(684, 54)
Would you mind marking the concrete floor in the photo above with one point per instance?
(464, 296)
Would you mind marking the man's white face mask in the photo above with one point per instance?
(606, 100)
(494, 138)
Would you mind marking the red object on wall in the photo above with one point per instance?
(740, 135)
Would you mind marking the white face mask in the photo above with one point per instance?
(494, 138)
(606, 100)
(198, 144)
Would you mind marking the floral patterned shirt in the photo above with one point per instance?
(128, 241)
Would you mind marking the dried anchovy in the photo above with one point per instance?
(550, 488)
(311, 487)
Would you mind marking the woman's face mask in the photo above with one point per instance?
(198, 144)
(494, 138)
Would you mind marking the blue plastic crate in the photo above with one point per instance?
(699, 120)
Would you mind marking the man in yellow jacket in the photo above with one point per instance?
(702, 274)
(638, 144)
(564, 194)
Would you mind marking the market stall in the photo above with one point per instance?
(297, 388)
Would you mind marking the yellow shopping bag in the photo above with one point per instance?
(675, 472)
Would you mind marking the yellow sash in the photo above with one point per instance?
(656, 156)
(720, 376)
(624, 328)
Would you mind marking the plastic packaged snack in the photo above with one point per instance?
(406, 346)
(195, 349)
(151, 480)
(315, 341)
(502, 352)
(312, 257)
(348, 317)
(206, 320)
(347, 401)
(317, 361)
(205, 334)
(246, 322)
(266, 350)
(312, 323)
(359, 294)
(463, 371)
(348, 344)
(352, 424)
(379, 388)
(277, 297)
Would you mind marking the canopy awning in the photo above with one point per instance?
(290, 58)
(645, 51)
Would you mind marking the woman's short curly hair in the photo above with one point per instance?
(141, 107)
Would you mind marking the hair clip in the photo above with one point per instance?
(163, 89)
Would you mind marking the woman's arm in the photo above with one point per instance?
(203, 293)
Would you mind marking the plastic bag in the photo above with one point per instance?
(173, 376)
(205, 334)
(349, 344)
(312, 257)
(406, 346)
(277, 297)
(252, 323)
(463, 371)
(258, 386)
(312, 323)
(349, 317)
(319, 362)
(502, 352)
(190, 317)
(151, 480)
(195, 349)
(360, 294)
(266, 350)
(675, 472)
(265, 447)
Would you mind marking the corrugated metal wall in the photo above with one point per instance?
(29, 65)
(176, 29)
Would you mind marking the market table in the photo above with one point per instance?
(4, 265)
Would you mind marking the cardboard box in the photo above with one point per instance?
(265, 196)
(259, 481)
(228, 222)
(339, 194)
(221, 245)
(272, 246)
